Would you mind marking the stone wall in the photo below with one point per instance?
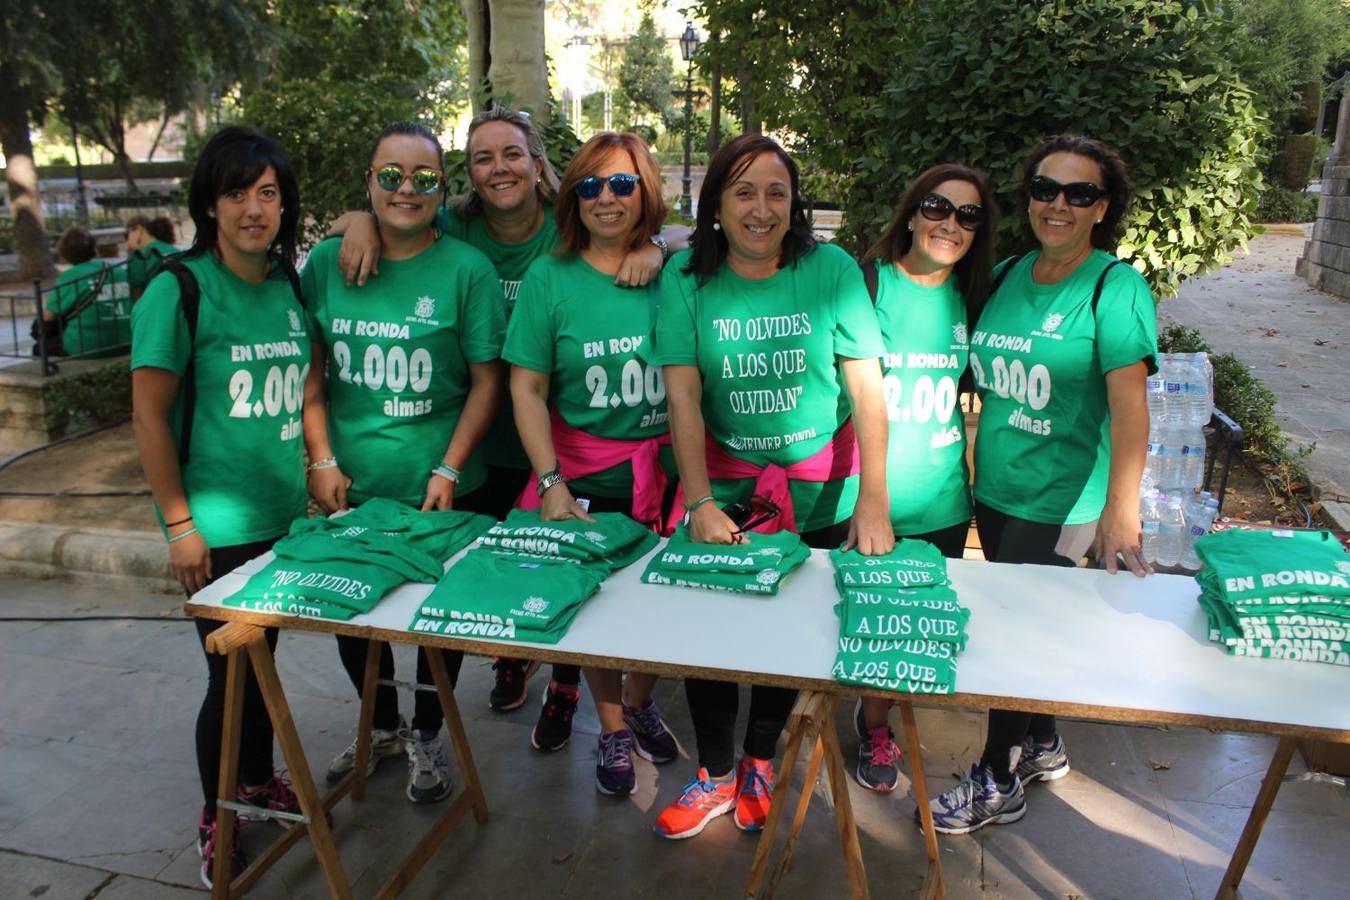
(1326, 257)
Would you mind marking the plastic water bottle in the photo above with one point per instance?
(1153, 462)
(1190, 462)
(1170, 441)
(1171, 532)
(1197, 528)
(1194, 503)
(1149, 520)
(1174, 390)
(1157, 397)
(1199, 391)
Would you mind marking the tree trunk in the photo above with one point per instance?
(477, 20)
(750, 121)
(30, 231)
(715, 112)
(163, 124)
(516, 64)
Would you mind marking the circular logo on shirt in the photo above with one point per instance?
(595, 537)
(959, 332)
(1051, 322)
(768, 576)
(535, 605)
(425, 308)
(295, 319)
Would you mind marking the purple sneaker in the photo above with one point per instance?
(614, 775)
(655, 743)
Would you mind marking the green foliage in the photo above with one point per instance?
(1244, 398)
(646, 73)
(1280, 204)
(560, 144)
(342, 71)
(94, 396)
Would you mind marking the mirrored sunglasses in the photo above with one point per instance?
(620, 185)
(424, 181)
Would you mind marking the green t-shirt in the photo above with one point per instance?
(1039, 357)
(1263, 565)
(245, 477)
(398, 353)
(144, 264)
(911, 563)
(758, 568)
(610, 542)
(103, 324)
(501, 445)
(924, 333)
(912, 666)
(574, 324)
(768, 350)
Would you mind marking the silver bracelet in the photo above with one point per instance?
(548, 480)
(182, 534)
(328, 462)
(448, 472)
(662, 245)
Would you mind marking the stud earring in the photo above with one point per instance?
(717, 226)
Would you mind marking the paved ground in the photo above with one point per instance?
(1295, 339)
(98, 792)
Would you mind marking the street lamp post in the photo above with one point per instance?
(688, 47)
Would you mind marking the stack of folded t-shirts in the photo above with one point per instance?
(338, 567)
(900, 623)
(525, 580)
(1278, 594)
(756, 566)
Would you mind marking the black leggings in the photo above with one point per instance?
(950, 541)
(713, 705)
(255, 735)
(1008, 539)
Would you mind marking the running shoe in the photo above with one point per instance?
(701, 801)
(975, 802)
(1042, 763)
(428, 767)
(554, 727)
(614, 776)
(878, 761)
(655, 743)
(275, 794)
(383, 744)
(512, 677)
(206, 849)
(754, 793)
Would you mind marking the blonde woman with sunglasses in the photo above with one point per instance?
(405, 379)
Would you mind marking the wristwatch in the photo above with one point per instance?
(661, 245)
(549, 479)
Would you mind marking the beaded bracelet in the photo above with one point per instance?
(178, 537)
(328, 462)
(446, 471)
(690, 507)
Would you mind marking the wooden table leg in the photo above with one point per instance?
(227, 782)
(843, 806)
(803, 803)
(370, 679)
(1265, 798)
(799, 722)
(320, 834)
(932, 883)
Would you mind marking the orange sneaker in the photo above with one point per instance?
(754, 793)
(701, 801)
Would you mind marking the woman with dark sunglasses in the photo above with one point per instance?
(770, 347)
(931, 269)
(1060, 355)
(404, 382)
(590, 412)
(508, 215)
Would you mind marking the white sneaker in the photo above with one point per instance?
(383, 744)
(428, 767)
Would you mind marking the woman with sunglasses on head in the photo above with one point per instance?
(589, 411)
(768, 342)
(1060, 356)
(226, 486)
(508, 215)
(413, 379)
(931, 269)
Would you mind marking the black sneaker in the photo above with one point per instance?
(554, 727)
(512, 677)
(206, 849)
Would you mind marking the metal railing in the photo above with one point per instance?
(104, 326)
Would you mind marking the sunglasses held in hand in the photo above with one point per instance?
(1077, 193)
(935, 208)
(620, 185)
(424, 181)
(747, 516)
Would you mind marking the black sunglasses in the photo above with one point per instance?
(1079, 193)
(620, 185)
(935, 208)
(746, 516)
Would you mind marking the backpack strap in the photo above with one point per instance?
(1002, 274)
(86, 299)
(871, 278)
(1101, 282)
(189, 301)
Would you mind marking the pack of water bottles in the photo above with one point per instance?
(1173, 510)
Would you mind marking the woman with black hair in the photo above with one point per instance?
(931, 272)
(413, 379)
(770, 352)
(228, 478)
(1060, 356)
